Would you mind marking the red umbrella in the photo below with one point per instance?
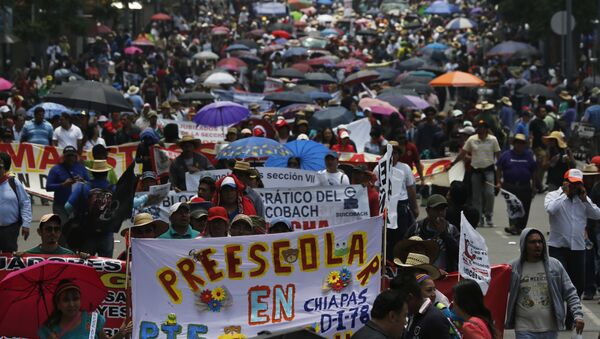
(322, 61)
(131, 50)
(233, 64)
(281, 34)
(26, 295)
(220, 30)
(142, 41)
(101, 29)
(161, 17)
(302, 67)
(272, 48)
(351, 63)
(5, 85)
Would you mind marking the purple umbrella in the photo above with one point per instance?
(413, 102)
(221, 113)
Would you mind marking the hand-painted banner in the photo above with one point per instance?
(327, 279)
(112, 274)
(31, 163)
(271, 177)
(204, 133)
(436, 173)
(316, 207)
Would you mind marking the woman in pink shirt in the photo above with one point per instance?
(468, 304)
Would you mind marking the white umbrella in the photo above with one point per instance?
(218, 79)
(206, 55)
(325, 18)
(460, 23)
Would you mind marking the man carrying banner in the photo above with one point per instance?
(539, 287)
(179, 215)
(515, 171)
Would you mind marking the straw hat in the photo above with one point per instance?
(484, 106)
(133, 90)
(565, 95)
(559, 137)
(414, 243)
(506, 101)
(188, 138)
(143, 219)
(520, 137)
(99, 166)
(440, 29)
(242, 166)
(590, 169)
(420, 261)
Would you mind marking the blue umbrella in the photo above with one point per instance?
(221, 113)
(329, 31)
(461, 23)
(436, 46)
(311, 154)
(51, 109)
(270, 9)
(442, 8)
(281, 41)
(237, 47)
(320, 95)
(295, 51)
(325, 2)
(253, 148)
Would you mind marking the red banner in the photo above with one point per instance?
(496, 298)
(112, 274)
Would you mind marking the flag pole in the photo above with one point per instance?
(127, 264)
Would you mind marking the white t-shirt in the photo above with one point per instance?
(402, 177)
(91, 143)
(67, 137)
(482, 151)
(333, 179)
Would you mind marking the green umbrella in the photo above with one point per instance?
(296, 15)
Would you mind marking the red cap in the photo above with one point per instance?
(197, 199)
(259, 131)
(596, 160)
(574, 175)
(281, 123)
(217, 212)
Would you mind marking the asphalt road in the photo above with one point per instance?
(502, 248)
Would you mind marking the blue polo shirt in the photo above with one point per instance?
(517, 169)
(190, 233)
(592, 115)
(37, 133)
(58, 174)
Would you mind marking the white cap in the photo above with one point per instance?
(102, 118)
(457, 113)
(302, 136)
(467, 123)
(176, 206)
(344, 135)
(228, 181)
(550, 103)
(189, 81)
(467, 130)
(4, 109)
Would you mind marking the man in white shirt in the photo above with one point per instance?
(67, 134)
(331, 175)
(568, 209)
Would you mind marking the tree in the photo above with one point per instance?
(38, 20)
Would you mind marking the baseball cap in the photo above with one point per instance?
(176, 206)
(281, 220)
(331, 154)
(281, 123)
(574, 175)
(148, 175)
(228, 181)
(436, 200)
(457, 113)
(47, 217)
(69, 150)
(344, 135)
(217, 212)
(4, 109)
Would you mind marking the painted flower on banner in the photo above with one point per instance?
(213, 300)
(338, 280)
(232, 332)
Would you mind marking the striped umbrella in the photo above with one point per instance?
(460, 23)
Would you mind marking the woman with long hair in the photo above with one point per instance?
(468, 304)
(68, 321)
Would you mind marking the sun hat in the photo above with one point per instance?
(99, 166)
(558, 136)
(419, 261)
(590, 169)
(520, 137)
(406, 246)
(133, 90)
(506, 101)
(143, 219)
(484, 106)
(188, 138)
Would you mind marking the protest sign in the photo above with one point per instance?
(384, 172)
(435, 171)
(359, 132)
(159, 208)
(31, 163)
(202, 132)
(327, 279)
(160, 191)
(270, 176)
(473, 259)
(514, 207)
(316, 207)
(112, 274)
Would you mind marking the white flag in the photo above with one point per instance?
(384, 175)
(514, 206)
(473, 259)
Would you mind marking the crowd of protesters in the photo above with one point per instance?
(526, 144)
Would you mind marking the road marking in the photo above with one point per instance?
(501, 234)
(589, 314)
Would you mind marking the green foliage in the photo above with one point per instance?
(51, 19)
(538, 13)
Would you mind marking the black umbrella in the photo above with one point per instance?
(89, 95)
(331, 117)
(196, 96)
(397, 91)
(411, 64)
(281, 26)
(537, 89)
(249, 57)
(318, 79)
(291, 73)
(386, 74)
(250, 43)
(304, 89)
(361, 76)
(418, 87)
(288, 98)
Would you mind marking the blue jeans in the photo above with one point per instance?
(536, 335)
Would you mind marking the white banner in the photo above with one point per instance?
(204, 133)
(271, 177)
(359, 132)
(514, 207)
(316, 207)
(326, 279)
(384, 173)
(473, 259)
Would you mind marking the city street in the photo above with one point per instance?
(502, 248)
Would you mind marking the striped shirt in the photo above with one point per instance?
(37, 133)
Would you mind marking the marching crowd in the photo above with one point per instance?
(525, 144)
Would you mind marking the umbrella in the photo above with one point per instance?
(219, 78)
(457, 79)
(289, 111)
(247, 42)
(413, 102)
(318, 79)
(63, 74)
(221, 113)
(196, 96)
(299, 4)
(591, 82)
(442, 8)
(302, 67)
(288, 98)
(131, 50)
(537, 89)
(361, 76)
(253, 148)
(160, 17)
(248, 57)
(26, 295)
(256, 33)
(326, 61)
(331, 117)
(386, 74)
(281, 26)
(509, 48)
(377, 106)
(319, 95)
(421, 74)
(237, 47)
(90, 96)
(304, 89)
(330, 31)
(51, 109)
(206, 55)
(351, 63)
(272, 48)
(397, 91)
(325, 2)
(418, 87)
(411, 64)
(142, 41)
(220, 30)
(5, 84)
(101, 29)
(325, 18)
(436, 46)
(233, 64)
(270, 9)
(393, 7)
(312, 155)
(281, 34)
(460, 23)
(295, 52)
(291, 73)
(312, 42)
